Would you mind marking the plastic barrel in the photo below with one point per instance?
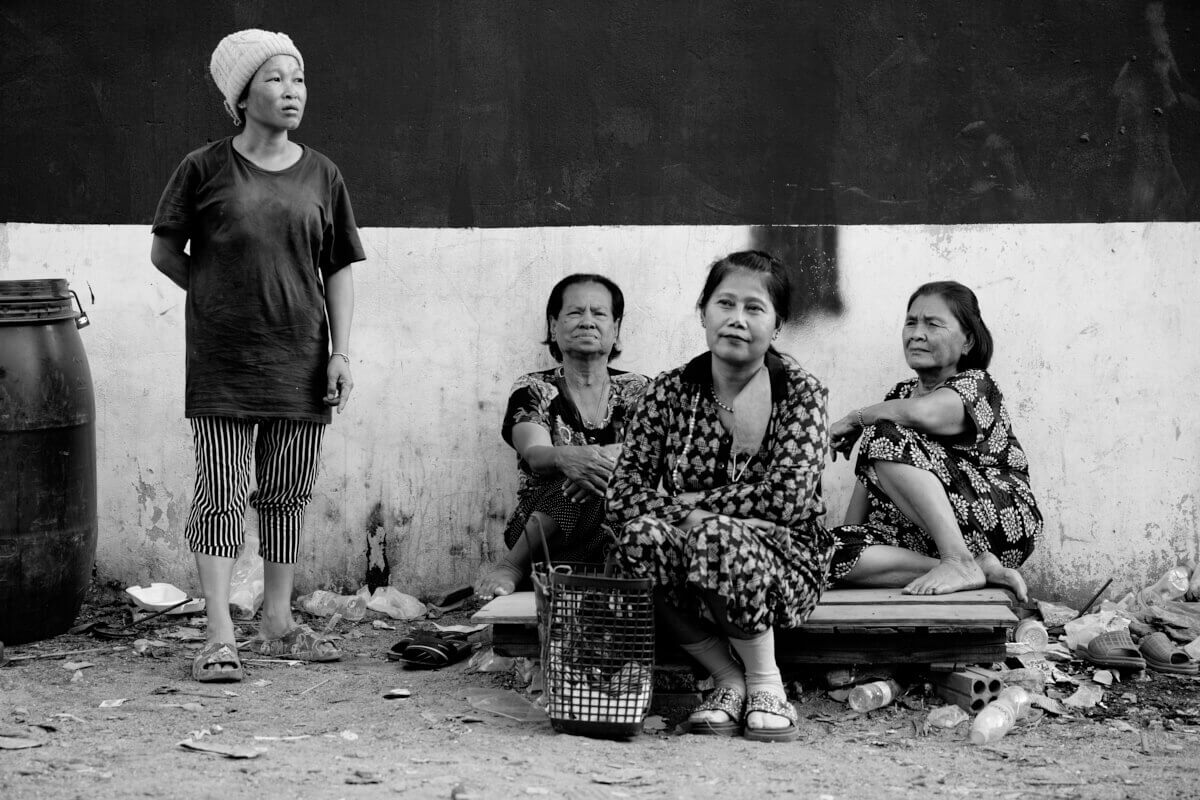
(47, 461)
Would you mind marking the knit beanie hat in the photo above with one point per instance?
(238, 57)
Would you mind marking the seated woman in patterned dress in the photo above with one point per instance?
(717, 497)
(566, 425)
(943, 501)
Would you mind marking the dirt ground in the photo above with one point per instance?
(326, 731)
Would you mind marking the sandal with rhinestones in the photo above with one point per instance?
(770, 703)
(723, 698)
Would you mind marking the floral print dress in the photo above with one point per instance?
(676, 444)
(542, 398)
(984, 472)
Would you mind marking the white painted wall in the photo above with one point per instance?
(1095, 351)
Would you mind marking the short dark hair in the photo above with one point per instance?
(965, 306)
(555, 303)
(779, 285)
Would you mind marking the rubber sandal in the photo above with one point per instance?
(213, 654)
(396, 651)
(300, 643)
(1114, 649)
(431, 651)
(723, 698)
(770, 703)
(1162, 655)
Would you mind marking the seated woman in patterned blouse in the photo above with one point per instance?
(718, 500)
(943, 501)
(566, 425)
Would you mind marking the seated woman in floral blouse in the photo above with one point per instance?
(943, 501)
(717, 497)
(566, 425)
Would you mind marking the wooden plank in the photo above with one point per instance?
(860, 607)
(848, 597)
(908, 616)
(514, 608)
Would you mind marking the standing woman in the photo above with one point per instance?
(268, 283)
(718, 497)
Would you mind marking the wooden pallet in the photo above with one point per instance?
(849, 626)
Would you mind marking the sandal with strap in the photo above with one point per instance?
(770, 703)
(206, 665)
(723, 698)
(301, 643)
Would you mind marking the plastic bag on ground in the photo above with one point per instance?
(1081, 631)
(246, 587)
(396, 604)
(486, 660)
(506, 703)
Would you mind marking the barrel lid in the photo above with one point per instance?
(40, 299)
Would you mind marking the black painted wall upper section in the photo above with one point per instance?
(575, 112)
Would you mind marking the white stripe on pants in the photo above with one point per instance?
(285, 454)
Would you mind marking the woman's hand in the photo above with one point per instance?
(338, 382)
(843, 434)
(587, 470)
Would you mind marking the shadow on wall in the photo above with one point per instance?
(810, 252)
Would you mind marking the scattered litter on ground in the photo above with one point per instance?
(949, 716)
(396, 694)
(72, 666)
(114, 702)
(362, 777)
(221, 749)
(505, 703)
(19, 742)
(1086, 696)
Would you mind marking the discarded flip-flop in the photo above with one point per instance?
(1114, 649)
(431, 651)
(396, 652)
(1163, 655)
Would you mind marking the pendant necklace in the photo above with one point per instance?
(597, 417)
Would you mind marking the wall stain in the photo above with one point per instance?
(379, 568)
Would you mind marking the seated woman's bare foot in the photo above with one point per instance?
(997, 574)
(951, 575)
(502, 580)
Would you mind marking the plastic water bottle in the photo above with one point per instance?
(246, 587)
(1171, 586)
(1033, 633)
(873, 695)
(321, 603)
(998, 717)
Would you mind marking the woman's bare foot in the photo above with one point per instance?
(997, 574)
(502, 580)
(952, 574)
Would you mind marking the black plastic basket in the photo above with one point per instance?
(597, 639)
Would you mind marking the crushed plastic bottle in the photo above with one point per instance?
(998, 717)
(873, 695)
(1171, 586)
(246, 587)
(352, 607)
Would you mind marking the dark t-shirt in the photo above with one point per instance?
(262, 244)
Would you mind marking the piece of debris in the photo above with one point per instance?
(227, 750)
(1102, 677)
(295, 738)
(380, 625)
(361, 778)
(349, 736)
(18, 742)
(949, 716)
(72, 666)
(113, 703)
(1086, 696)
(397, 694)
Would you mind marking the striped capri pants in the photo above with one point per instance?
(285, 455)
